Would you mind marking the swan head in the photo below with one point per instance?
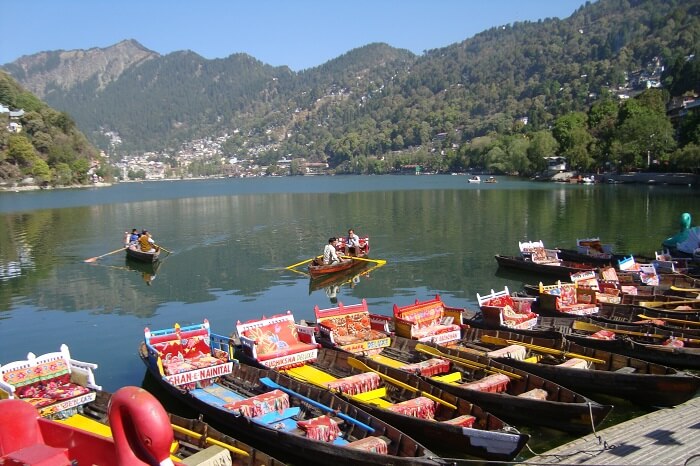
(140, 427)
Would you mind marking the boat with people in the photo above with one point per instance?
(585, 370)
(440, 420)
(135, 253)
(306, 424)
(349, 256)
(474, 179)
(491, 179)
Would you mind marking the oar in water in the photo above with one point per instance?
(420, 347)
(673, 321)
(268, 382)
(93, 259)
(539, 349)
(301, 263)
(588, 327)
(162, 248)
(376, 261)
(357, 364)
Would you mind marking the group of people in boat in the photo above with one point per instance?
(352, 247)
(143, 241)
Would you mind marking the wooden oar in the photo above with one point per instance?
(301, 263)
(665, 319)
(420, 347)
(539, 349)
(209, 440)
(376, 261)
(658, 304)
(689, 290)
(588, 327)
(93, 259)
(357, 364)
(161, 247)
(268, 382)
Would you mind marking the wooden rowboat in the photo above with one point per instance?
(585, 370)
(306, 424)
(517, 397)
(440, 420)
(561, 269)
(135, 253)
(318, 269)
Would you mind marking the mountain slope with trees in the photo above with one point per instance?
(48, 148)
(500, 101)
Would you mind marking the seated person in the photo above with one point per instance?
(352, 243)
(330, 256)
(146, 242)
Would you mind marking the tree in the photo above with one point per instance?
(20, 151)
(542, 144)
(571, 132)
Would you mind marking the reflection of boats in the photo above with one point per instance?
(148, 270)
(341, 278)
(133, 252)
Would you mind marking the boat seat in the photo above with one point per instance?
(626, 370)
(349, 327)
(374, 444)
(452, 377)
(494, 383)
(428, 320)
(278, 342)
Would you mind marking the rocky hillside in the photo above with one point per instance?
(60, 71)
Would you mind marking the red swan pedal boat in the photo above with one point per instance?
(141, 431)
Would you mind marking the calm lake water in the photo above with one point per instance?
(232, 239)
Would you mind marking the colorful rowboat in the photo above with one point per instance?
(305, 424)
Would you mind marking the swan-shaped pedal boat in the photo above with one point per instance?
(141, 433)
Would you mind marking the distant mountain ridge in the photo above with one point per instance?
(62, 70)
(370, 100)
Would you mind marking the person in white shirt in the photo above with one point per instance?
(352, 244)
(330, 256)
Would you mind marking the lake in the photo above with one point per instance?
(231, 239)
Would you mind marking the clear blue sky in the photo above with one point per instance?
(298, 33)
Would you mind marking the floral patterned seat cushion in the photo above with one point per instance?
(44, 383)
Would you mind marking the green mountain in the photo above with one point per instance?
(374, 101)
(41, 144)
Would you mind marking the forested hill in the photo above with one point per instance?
(41, 144)
(377, 99)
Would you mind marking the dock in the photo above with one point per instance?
(667, 437)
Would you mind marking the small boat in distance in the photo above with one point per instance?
(491, 179)
(135, 253)
(474, 179)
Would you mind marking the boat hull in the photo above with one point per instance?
(563, 409)
(403, 449)
(319, 270)
(489, 438)
(140, 256)
(636, 380)
(561, 271)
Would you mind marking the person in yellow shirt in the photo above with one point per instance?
(146, 242)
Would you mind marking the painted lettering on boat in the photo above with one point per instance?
(367, 345)
(200, 374)
(291, 359)
(67, 404)
(442, 337)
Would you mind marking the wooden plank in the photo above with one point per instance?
(667, 436)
